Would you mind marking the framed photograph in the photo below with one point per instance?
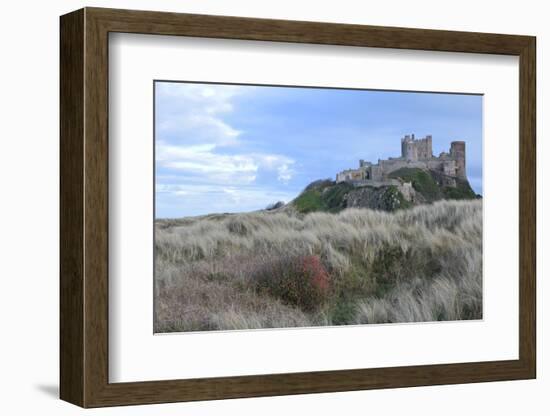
(254, 207)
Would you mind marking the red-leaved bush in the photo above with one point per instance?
(301, 281)
(313, 270)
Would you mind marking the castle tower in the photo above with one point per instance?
(414, 150)
(411, 151)
(428, 153)
(408, 148)
(404, 141)
(458, 153)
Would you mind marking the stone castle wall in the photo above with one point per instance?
(415, 153)
(413, 149)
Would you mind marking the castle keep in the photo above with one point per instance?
(415, 153)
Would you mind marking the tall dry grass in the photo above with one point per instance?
(421, 264)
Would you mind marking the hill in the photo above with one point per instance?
(408, 187)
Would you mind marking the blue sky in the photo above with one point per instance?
(237, 148)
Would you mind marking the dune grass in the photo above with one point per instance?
(357, 266)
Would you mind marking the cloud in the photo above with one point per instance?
(192, 112)
(199, 128)
(212, 167)
(284, 173)
(202, 160)
(216, 97)
(195, 140)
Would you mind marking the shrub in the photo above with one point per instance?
(298, 281)
(275, 205)
(387, 267)
(313, 270)
(343, 312)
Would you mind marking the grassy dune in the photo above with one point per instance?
(358, 266)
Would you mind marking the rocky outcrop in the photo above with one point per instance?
(385, 198)
(406, 187)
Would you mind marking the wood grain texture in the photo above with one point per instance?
(71, 208)
(96, 219)
(226, 27)
(528, 208)
(84, 207)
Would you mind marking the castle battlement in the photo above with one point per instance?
(415, 153)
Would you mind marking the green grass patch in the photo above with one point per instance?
(463, 190)
(421, 180)
(325, 196)
(333, 197)
(309, 201)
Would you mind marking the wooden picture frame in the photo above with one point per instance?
(84, 207)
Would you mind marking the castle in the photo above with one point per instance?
(415, 153)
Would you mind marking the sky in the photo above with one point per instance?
(238, 148)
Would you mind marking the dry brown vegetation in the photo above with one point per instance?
(359, 266)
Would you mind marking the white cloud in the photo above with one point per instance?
(190, 116)
(221, 168)
(192, 112)
(204, 165)
(200, 127)
(217, 97)
(284, 173)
